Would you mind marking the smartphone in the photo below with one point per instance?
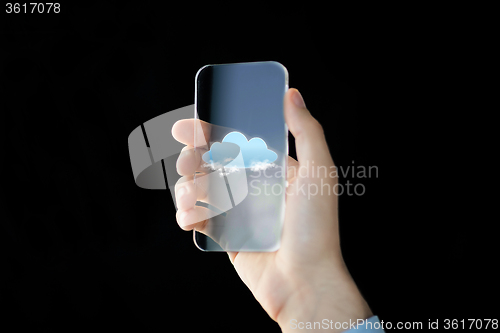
(244, 152)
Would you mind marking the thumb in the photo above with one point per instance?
(310, 142)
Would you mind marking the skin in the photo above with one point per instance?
(306, 279)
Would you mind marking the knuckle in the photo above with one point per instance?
(183, 181)
(180, 181)
(316, 126)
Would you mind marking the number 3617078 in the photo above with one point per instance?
(33, 7)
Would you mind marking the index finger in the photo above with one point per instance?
(184, 131)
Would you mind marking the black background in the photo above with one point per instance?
(83, 248)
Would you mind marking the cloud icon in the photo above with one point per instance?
(221, 154)
(254, 152)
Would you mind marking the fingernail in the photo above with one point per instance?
(181, 192)
(298, 100)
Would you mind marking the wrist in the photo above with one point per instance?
(318, 305)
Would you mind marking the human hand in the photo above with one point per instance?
(306, 279)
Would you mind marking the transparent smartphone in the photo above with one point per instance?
(244, 155)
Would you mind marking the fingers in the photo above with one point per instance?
(310, 144)
(185, 130)
(187, 191)
(188, 161)
(195, 217)
(310, 140)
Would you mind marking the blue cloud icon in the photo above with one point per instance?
(221, 154)
(254, 152)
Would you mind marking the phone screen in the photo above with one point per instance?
(244, 155)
